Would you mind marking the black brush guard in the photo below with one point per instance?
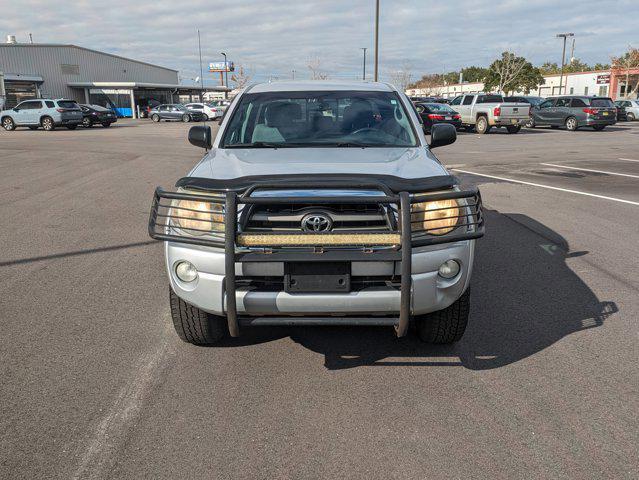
(470, 226)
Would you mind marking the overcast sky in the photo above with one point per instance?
(274, 37)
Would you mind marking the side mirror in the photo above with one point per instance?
(442, 134)
(200, 137)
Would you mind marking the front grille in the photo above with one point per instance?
(345, 218)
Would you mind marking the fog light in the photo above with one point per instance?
(186, 271)
(449, 269)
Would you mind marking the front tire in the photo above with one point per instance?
(482, 126)
(630, 117)
(513, 128)
(186, 118)
(8, 124)
(47, 124)
(155, 117)
(571, 124)
(194, 325)
(445, 326)
(86, 122)
(531, 123)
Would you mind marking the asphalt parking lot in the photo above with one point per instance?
(95, 383)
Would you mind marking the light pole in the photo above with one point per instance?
(226, 76)
(364, 64)
(376, 38)
(563, 57)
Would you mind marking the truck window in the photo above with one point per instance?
(468, 99)
(456, 100)
(490, 99)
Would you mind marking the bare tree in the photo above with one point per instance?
(314, 65)
(241, 77)
(401, 78)
(507, 70)
(628, 61)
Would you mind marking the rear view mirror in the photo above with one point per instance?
(200, 137)
(442, 134)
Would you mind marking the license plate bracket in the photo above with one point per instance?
(317, 277)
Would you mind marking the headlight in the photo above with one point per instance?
(197, 217)
(438, 217)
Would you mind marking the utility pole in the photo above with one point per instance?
(563, 57)
(226, 76)
(364, 64)
(376, 39)
(199, 47)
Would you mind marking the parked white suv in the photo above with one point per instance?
(210, 112)
(319, 203)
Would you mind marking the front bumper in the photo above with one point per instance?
(429, 291)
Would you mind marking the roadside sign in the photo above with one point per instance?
(603, 79)
(221, 67)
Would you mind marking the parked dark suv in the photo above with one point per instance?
(574, 112)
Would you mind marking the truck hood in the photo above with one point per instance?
(223, 164)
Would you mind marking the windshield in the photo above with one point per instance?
(438, 107)
(319, 119)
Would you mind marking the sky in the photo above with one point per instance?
(273, 38)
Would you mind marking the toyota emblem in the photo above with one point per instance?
(317, 222)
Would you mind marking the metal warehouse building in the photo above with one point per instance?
(67, 71)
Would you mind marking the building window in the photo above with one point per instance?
(603, 90)
(68, 69)
(585, 90)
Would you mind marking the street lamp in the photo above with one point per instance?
(563, 58)
(376, 37)
(364, 64)
(226, 76)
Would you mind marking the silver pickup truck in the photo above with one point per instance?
(486, 110)
(318, 203)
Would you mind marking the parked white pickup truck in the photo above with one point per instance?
(486, 110)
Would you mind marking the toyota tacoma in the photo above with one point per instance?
(318, 203)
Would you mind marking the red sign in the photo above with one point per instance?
(603, 79)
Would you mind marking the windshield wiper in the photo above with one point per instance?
(352, 145)
(257, 145)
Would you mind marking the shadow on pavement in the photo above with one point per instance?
(524, 299)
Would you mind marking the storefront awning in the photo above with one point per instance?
(18, 77)
(143, 85)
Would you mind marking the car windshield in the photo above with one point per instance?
(67, 104)
(438, 107)
(98, 108)
(601, 102)
(535, 100)
(180, 107)
(319, 119)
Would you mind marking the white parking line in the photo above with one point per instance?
(591, 170)
(548, 186)
(629, 159)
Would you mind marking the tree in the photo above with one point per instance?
(626, 62)
(511, 73)
(241, 77)
(474, 74)
(401, 78)
(313, 65)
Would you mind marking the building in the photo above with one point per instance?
(87, 76)
(603, 83)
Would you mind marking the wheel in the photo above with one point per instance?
(186, 118)
(571, 124)
(194, 325)
(86, 122)
(513, 128)
(8, 124)
(447, 325)
(47, 124)
(531, 123)
(71, 127)
(106, 125)
(630, 117)
(598, 128)
(206, 117)
(155, 117)
(482, 125)
(33, 127)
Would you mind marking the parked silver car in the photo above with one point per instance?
(630, 108)
(574, 112)
(319, 204)
(42, 112)
(175, 111)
